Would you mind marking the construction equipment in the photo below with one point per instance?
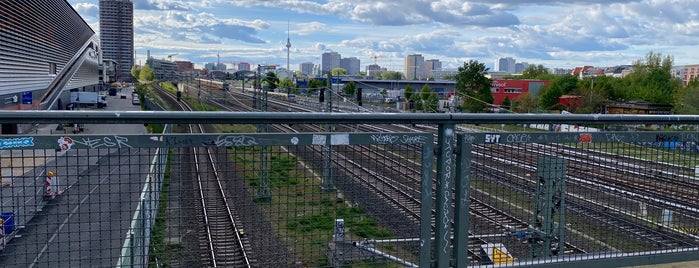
(169, 57)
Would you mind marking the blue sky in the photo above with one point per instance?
(557, 34)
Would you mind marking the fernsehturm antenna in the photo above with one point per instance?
(288, 46)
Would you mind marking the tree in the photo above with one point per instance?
(429, 99)
(349, 89)
(314, 85)
(687, 99)
(408, 93)
(286, 83)
(473, 85)
(561, 85)
(535, 72)
(146, 74)
(338, 71)
(391, 75)
(524, 103)
(506, 103)
(651, 79)
(271, 79)
(136, 72)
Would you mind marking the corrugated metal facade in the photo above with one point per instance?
(46, 47)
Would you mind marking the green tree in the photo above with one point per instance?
(271, 79)
(338, 71)
(473, 85)
(408, 93)
(429, 99)
(561, 85)
(687, 99)
(349, 89)
(506, 103)
(391, 75)
(535, 72)
(136, 72)
(314, 85)
(651, 79)
(524, 103)
(146, 74)
(286, 83)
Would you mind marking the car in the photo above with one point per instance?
(135, 100)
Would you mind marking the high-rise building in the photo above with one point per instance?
(330, 61)
(243, 66)
(351, 65)
(185, 66)
(306, 68)
(520, 67)
(505, 65)
(414, 67)
(430, 66)
(374, 70)
(116, 35)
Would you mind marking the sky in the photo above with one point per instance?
(556, 34)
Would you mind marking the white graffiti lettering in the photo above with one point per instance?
(226, 141)
(518, 138)
(384, 138)
(492, 138)
(412, 139)
(104, 142)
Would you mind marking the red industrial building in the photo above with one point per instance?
(514, 88)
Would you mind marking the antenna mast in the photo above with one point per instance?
(288, 46)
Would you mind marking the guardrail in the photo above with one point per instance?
(439, 195)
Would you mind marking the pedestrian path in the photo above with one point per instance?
(29, 176)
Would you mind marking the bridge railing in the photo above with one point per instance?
(433, 193)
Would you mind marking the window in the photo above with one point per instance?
(513, 90)
(52, 68)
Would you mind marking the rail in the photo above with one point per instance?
(418, 189)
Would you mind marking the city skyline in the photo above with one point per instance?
(557, 34)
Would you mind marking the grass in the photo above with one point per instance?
(164, 252)
(301, 214)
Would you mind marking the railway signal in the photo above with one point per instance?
(359, 96)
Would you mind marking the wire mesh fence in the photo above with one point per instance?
(348, 199)
(582, 196)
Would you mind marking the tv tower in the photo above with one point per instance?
(288, 46)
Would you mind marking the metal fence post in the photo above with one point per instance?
(463, 184)
(426, 205)
(445, 176)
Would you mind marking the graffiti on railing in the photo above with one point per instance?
(103, 142)
(448, 156)
(388, 138)
(16, 142)
(233, 140)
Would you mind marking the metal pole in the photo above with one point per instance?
(327, 183)
(263, 191)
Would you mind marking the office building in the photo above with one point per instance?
(351, 65)
(414, 67)
(39, 69)
(306, 68)
(505, 65)
(431, 66)
(330, 61)
(116, 35)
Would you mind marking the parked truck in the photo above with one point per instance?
(88, 99)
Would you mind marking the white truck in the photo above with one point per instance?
(88, 99)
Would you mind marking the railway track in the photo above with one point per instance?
(222, 241)
(399, 193)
